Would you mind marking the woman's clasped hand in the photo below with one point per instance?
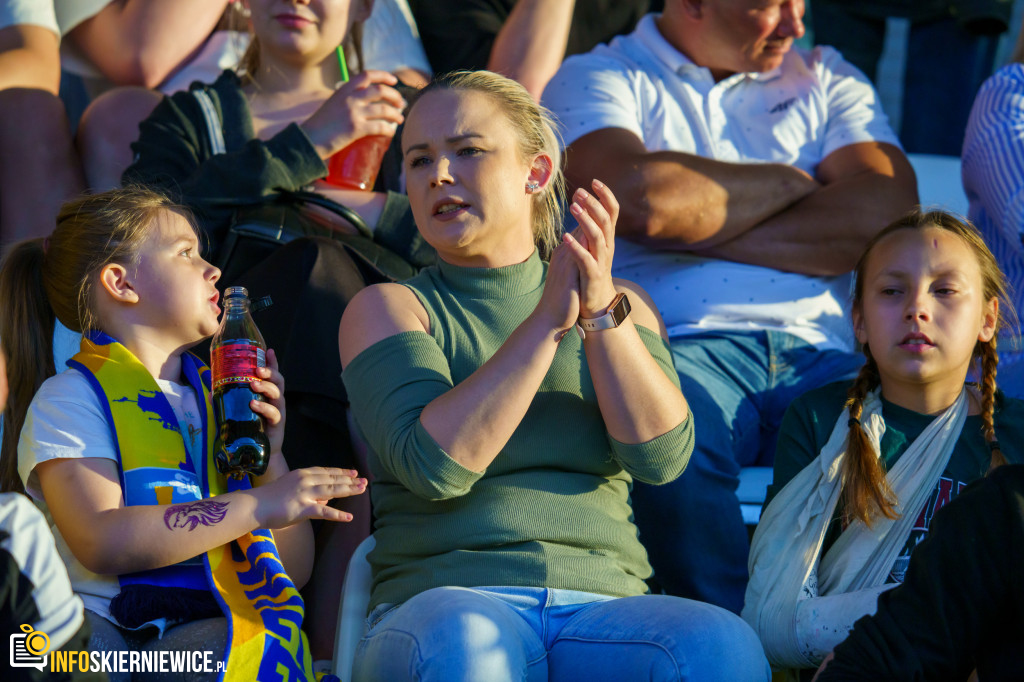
(592, 246)
(579, 280)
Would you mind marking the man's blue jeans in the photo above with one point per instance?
(738, 386)
(497, 634)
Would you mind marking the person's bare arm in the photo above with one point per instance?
(638, 401)
(32, 193)
(865, 187)
(414, 78)
(678, 201)
(84, 496)
(29, 58)
(142, 42)
(86, 501)
(473, 420)
(531, 43)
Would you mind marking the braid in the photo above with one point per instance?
(865, 488)
(866, 379)
(989, 362)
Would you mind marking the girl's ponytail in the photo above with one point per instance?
(54, 278)
(26, 334)
(989, 362)
(865, 488)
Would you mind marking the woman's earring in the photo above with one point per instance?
(532, 187)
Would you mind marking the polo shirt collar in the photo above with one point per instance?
(679, 63)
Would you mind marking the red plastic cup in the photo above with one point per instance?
(356, 166)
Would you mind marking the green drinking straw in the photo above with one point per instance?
(341, 64)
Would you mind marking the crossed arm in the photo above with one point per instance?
(764, 214)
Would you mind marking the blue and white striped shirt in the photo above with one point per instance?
(993, 172)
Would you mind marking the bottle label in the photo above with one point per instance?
(236, 362)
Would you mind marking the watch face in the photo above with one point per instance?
(618, 312)
(621, 311)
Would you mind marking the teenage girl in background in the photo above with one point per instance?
(274, 122)
(119, 445)
(861, 468)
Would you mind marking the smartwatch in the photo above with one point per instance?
(617, 312)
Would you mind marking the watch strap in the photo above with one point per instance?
(618, 311)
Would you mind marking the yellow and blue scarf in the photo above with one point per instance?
(263, 608)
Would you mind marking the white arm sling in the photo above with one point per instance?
(801, 609)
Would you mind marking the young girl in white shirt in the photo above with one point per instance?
(119, 446)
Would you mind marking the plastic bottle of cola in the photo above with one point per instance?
(236, 350)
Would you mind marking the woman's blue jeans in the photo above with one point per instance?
(495, 634)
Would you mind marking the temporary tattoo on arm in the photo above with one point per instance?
(205, 512)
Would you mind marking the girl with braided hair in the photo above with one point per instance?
(861, 469)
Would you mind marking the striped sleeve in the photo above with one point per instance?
(993, 168)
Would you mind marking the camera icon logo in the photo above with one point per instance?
(29, 649)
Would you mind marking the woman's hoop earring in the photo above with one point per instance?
(532, 186)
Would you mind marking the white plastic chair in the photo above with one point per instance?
(355, 598)
(939, 183)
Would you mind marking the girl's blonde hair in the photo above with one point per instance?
(54, 278)
(865, 489)
(534, 126)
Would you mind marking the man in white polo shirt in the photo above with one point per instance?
(750, 175)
